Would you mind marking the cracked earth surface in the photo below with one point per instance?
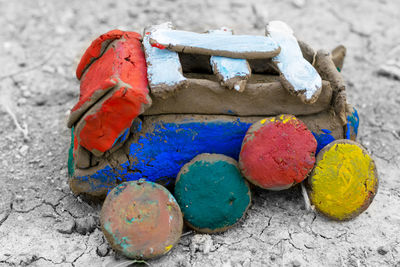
(43, 224)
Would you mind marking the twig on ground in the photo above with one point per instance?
(44, 61)
(307, 203)
(187, 233)
(6, 102)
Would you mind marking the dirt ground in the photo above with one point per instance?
(43, 224)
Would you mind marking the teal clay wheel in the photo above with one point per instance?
(212, 193)
(141, 220)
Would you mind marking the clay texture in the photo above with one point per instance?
(120, 73)
(264, 95)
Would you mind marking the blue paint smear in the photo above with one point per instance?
(71, 163)
(323, 139)
(101, 179)
(122, 137)
(161, 153)
(353, 122)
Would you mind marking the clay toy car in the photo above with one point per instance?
(150, 104)
(210, 113)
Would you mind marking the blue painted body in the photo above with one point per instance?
(323, 139)
(158, 155)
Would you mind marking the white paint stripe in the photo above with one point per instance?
(163, 66)
(295, 69)
(228, 67)
(226, 43)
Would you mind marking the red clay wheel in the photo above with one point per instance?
(277, 152)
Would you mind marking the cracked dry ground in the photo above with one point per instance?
(43, 224)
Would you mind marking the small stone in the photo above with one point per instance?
(103, 250)
(66, 226)
(296, 263)
(24, 150)
(227, 264)
(302, 224)
(26, 93)
(49, 69)
(40, 101)
(202, 243)
(391, 69)
(382, 250)
(299, 3)
(21, 101)
(86, 224)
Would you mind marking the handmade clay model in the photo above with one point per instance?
(141, 219)
(148, 106)
(212, 193)
(178, 107)
(277, 152)
(344, 180)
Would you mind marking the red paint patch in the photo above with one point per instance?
(160, 46)
(122, 65)
(278, 152)
(94, 50)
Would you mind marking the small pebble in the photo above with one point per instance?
(103, 250)
(66, 226)
(296, 263)
(86, 224)
(382, 250)
(24, 150)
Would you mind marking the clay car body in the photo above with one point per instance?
(197, 111)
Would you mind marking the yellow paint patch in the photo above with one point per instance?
(263, 121)
(343, 181)
(168, 248)
(286, 118)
